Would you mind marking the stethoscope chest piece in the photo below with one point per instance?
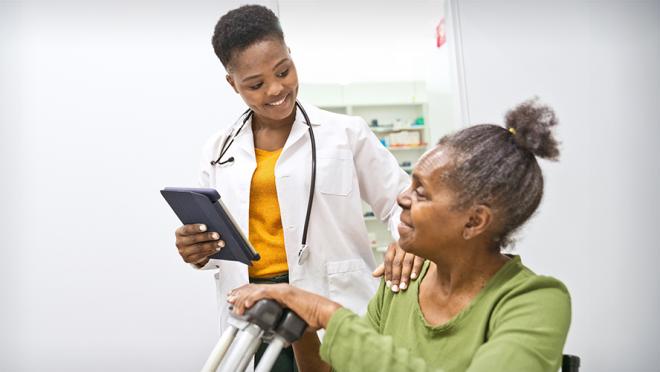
(303, 253)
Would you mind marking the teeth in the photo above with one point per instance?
(278, 102)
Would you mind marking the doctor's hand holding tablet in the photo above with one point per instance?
(196, 244)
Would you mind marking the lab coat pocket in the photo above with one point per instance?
(350, 283)
(335, 172)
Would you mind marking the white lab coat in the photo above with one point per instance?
(351, 165)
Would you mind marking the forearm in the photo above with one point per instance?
(314, 309)
(350, 343)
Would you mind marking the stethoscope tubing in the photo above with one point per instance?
(229, 140)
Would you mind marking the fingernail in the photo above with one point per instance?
(221, 243)
(388, 283)
(413, 276)
(215, 236)
(202, 227)
(395, 288)
(403, 286)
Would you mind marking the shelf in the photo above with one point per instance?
(390, 130)
(411, 102)
(407, 148)
(397, 106)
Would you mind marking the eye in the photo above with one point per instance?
(256, 86)
(419, 192)
(283, 73)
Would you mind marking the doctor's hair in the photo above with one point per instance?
(497, 166)
(241, 28)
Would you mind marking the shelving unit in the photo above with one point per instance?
(397, 113)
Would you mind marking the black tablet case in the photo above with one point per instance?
(201, 205)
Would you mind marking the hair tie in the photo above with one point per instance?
(512, 131)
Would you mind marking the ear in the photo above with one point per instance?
(479, 220)
(231, 82)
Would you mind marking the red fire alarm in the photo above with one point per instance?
(440, 35)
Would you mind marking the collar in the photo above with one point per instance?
(245, 140)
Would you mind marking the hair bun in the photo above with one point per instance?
(532, 123)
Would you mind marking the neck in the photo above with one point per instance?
(466, 270)
(259, 122)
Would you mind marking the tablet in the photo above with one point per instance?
(200, 205)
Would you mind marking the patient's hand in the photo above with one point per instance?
(315, 310)
(399, 268)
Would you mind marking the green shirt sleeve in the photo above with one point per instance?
(528, 331)
(352, 344)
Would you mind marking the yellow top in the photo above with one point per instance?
(266, 233)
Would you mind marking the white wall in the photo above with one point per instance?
(357, 41)
(596, 63)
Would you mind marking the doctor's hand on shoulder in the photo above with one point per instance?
(399, 268)
(195, 244)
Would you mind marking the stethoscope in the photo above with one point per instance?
(229, 140)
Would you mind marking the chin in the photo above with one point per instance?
(406, 245)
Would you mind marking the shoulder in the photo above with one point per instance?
(528, 294)
(393, 306)
(214, 141)
(526, 281)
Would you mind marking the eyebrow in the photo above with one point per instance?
(415, 177)
(274, 68)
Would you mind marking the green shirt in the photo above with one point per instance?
(517, 322)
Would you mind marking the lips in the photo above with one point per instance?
(278, 102)
(404, 228)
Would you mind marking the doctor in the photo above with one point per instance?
(294, 177)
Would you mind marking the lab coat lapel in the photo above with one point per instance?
(244, 142)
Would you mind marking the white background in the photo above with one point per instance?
(103, 104)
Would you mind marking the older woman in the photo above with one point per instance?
(475, 308)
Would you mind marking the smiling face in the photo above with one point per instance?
(430, 222)
(265, 77)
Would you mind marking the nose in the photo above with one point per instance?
(404, 198)
(275, 89)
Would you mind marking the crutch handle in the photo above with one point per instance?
(291, 327)
(264, 320)
(265, 314)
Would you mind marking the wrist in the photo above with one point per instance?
(202, 263)
(328, 310)
(284, 294)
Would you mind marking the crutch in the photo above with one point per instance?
(265, 320)
(289, 329)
